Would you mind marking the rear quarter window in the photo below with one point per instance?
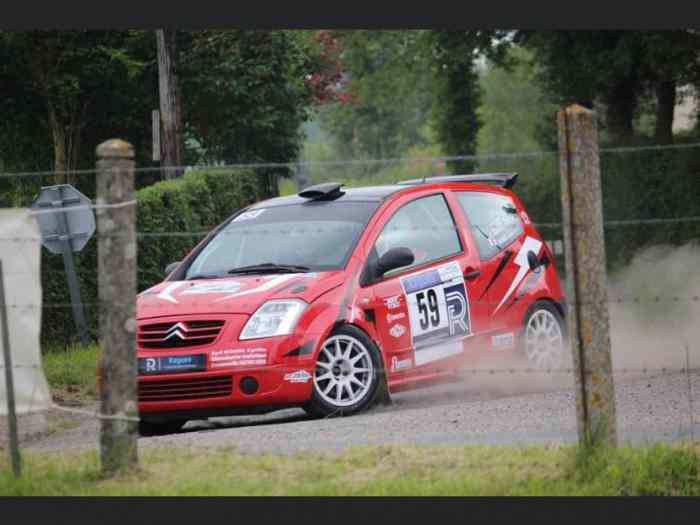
(493, 219)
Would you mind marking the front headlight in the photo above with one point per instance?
(278, 317)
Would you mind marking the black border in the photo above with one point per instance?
(332, 510)
(266, 14)
(29, 15)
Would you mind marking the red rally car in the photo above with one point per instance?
(334, 298)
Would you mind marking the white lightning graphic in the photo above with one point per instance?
(165, 292)
(530, 244)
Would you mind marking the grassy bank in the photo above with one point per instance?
(377, 471)
(72, 373)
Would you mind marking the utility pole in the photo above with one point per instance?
(170, 107)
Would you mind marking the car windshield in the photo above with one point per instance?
(318, 236)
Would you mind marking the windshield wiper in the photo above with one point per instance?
(271, 268)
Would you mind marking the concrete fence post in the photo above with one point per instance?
(116, 265)
(586, 293)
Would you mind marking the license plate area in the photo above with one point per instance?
(171, 364)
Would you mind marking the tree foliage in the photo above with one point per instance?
(246, 93)
(615, 69)
(389, 94)
(65, 91)
(518, 115)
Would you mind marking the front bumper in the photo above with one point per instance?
(238, 376)
(221, 393)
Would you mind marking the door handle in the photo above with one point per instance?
(471, 274)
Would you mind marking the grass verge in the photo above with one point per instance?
(376, 471)
(72, 373)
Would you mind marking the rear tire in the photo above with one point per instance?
(348, 373)
(149, 428)
(543, 337)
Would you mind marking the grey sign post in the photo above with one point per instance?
(66, 222)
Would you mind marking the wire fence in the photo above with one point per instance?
(652, 227)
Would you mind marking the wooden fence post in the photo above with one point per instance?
(116, 265)
(586, 294)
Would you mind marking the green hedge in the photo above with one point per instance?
(194, 202)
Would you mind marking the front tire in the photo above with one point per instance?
(544, 336)
(347, 375)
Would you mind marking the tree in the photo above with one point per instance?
(246, 94)
(458, 93)
(388, 94)
(616, 68)
(517, 114)
(72, 74)
(170, 100)
(64, 89)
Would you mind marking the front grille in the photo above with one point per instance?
(179, 334)
(179, 390)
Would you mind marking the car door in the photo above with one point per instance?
(422, 310)
(499, 234)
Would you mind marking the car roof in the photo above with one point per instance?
(379, 193)
(363, 194)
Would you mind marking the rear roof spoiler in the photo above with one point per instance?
(505, 180)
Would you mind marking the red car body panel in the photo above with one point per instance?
(497, 299)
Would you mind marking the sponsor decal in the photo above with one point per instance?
(214, 287)
(438, 305)
(246, 216)
(238, 357)
(501, 341)
(428, 354)
(390, 318)
(402, 364)
(449, 272)
(150, 364)
(397, 330)
(520, 259)
(300, 376)
(393, 302)
(171, 364)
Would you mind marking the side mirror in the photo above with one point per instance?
(394, 258)
(169, 269)
(532, 260)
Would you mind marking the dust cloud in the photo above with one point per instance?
(654, 309)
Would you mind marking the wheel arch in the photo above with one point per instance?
(559, 305)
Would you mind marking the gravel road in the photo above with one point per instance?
(499, 409)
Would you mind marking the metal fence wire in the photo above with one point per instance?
(651, 226)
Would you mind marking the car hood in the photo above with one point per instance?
(237, 294)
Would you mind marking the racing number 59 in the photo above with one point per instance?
(432, 317)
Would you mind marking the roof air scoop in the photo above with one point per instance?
(327, 190)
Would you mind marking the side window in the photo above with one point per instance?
(425, 226)
(493, 220)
